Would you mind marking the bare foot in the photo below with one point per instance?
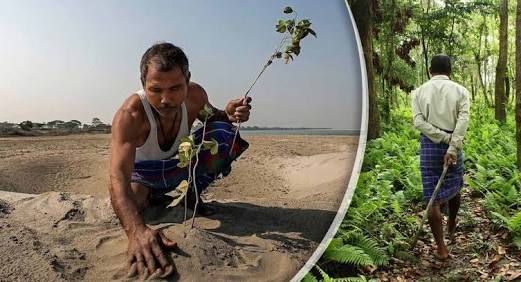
(442, 253)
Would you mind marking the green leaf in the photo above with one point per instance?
(281, 26)
(309, 278)
(213, 145)
(182, 189)
(185, 151)
(208, 109)
(188, 138)
(324, 275)
(206, 112)
(214, 148)
(312, 32)
(296, 50)
(290, 24)
(304, 23)
(347, 254)
(514, 224)
(288, 10)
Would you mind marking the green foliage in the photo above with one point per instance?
(345, 253)
(309, 278)
(368, 245)
(185, 151)
(180, 191)
(405, 35)
(381, 218)
(294, 32)
(490, 153)
(326, 278)
(211, 145)
(206, 112)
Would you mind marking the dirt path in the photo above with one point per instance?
(480, 253)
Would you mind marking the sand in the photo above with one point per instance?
(56, 222)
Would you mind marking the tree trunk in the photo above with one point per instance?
(479, 59)
(472, 89)
(507, 89)
(390, 47)
(362, 12)
(482, 82)
(425, 51)
(518, 83)
(501, 68)
(425, 57)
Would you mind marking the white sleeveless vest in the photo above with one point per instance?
(151, 150)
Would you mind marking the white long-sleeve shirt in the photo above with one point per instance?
(441, 105)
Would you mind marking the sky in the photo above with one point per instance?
(69, 60)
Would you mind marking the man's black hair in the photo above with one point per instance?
(441, 64)
(165, 57)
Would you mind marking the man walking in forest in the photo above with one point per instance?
(441, 112)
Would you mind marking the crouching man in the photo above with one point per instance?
(146, 133)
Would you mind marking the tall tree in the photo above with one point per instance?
(501, 68)
(518, 83)
(362, 12)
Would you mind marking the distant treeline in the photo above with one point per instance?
(55, 127)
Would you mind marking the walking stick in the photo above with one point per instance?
(431, 201)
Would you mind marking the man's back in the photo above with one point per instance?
(439, 100)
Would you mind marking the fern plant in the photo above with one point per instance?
(357, 249)
(326, 278)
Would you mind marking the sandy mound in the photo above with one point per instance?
(270, 219)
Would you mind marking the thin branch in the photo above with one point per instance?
(194, 171)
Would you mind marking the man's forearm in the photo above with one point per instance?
(125, 208)
(435, 134)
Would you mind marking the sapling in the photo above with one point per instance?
(293, 32)
(187, 149)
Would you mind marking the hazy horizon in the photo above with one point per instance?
(66, 60)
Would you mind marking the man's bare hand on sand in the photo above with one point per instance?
(146, 256)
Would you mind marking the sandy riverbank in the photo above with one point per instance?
(274, 208)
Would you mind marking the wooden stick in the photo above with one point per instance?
(429, 206)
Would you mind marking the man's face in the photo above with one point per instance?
(166, 91)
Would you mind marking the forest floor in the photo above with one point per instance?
(480, 252)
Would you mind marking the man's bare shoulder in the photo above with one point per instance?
(129, 120)
(197, 96)
(132, 108)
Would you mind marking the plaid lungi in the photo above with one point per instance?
(431, 167)
(163, 176)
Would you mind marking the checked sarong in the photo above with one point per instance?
(163, 176)
(431, 167)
